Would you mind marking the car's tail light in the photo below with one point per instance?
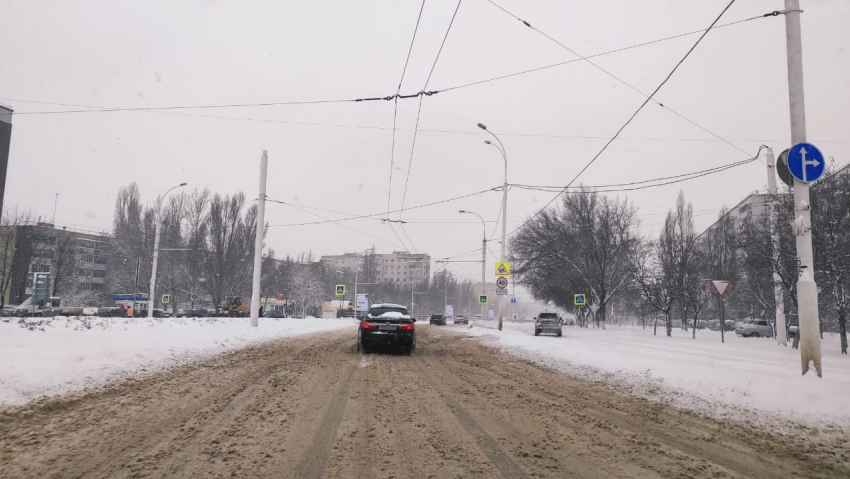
(405, 327)
(368, 325)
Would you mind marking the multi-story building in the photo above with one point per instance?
(754, 205)
(77, 261)
(401, 267)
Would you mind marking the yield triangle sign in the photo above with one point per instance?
(721, 286)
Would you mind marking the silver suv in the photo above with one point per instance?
(754, 329)
(548, 323)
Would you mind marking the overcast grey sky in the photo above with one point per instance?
(164, 53)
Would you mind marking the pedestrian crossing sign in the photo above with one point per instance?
(580, 300)
(482, 299)
(166, 298)
(340, 290)
(503, 269)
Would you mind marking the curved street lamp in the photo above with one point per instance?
(158, 221)
(502, 258)
(483, 255)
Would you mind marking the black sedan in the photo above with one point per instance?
(438, 319)
(387, 326)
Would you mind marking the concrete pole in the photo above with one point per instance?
(356, 272)
(258, 241)
(807, 292)
(503, 297)
(152, 295)
(778, 296)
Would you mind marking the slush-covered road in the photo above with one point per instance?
(313, 407)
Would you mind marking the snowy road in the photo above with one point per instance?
(312, 407)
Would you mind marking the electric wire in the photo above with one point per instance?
(395, 105)
(338, 223)
(419, 109)
(374, 215)
(632, 117)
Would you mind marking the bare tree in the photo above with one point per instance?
(10, 224)
(584, 246)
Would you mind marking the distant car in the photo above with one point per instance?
(438, 319)
(272, 314)
(192, 313)
(754, 329)
(8, 310)
(570, 322)
(477, 316)
(547, 323)
(387, 326)
(461, 319)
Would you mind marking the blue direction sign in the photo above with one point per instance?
(482, 299)
(579, 300)
(805, 162)
(513, 300)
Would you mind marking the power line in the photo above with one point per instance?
(374, 215)
(419, 109)
(674, 179)
(600, 54)
(338, 223)
(395, 105)
(432, 130)
(632, 117)
(409, 241)
(92, 109)
(396, 235)
(615, 77)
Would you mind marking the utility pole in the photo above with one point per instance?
(258, 241)
(501, 147)
(778, 296)
(807, 292)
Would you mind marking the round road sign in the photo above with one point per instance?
(502, 283)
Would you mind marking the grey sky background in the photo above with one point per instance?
(164, 53)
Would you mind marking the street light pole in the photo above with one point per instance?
(483, 257)
(501, 148)
(158, 227)
(807, 291)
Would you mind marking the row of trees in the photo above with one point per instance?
(591, 244)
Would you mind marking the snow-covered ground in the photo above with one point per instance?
(59, 355)
(743, 375)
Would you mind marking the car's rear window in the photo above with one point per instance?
(375, 312)
(548, 316)
(436, 316)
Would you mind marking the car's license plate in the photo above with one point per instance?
(388, 327)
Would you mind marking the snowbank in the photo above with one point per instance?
(58, 355)
(751, 373)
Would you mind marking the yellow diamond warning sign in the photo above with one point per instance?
(503, 269)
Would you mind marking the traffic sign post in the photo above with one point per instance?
(340, 290)
(580, 299)
(721, 287)
(482, 299)
(502, 283)
(166, 298)
(513, 300)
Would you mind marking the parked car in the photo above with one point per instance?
(570, 322)
(461, 319)
(272, 314)
(792, 331)
(438, 319)
(477, 316)
(388, 326)
(192, 313)
(754, 329)
(8, 310)
(547, 323)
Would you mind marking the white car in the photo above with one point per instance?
(755, 329)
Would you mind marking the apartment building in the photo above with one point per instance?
(401, 267)
(78, 261)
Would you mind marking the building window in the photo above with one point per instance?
(44, 253)
(85, 286)
(86, 258)
(86, 244)
(41, 268)
(100, 259)
(45, 239)
(86, 273)
(99, 273)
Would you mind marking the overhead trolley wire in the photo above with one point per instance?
(615, 77)
(629, 120)
(419, 109)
